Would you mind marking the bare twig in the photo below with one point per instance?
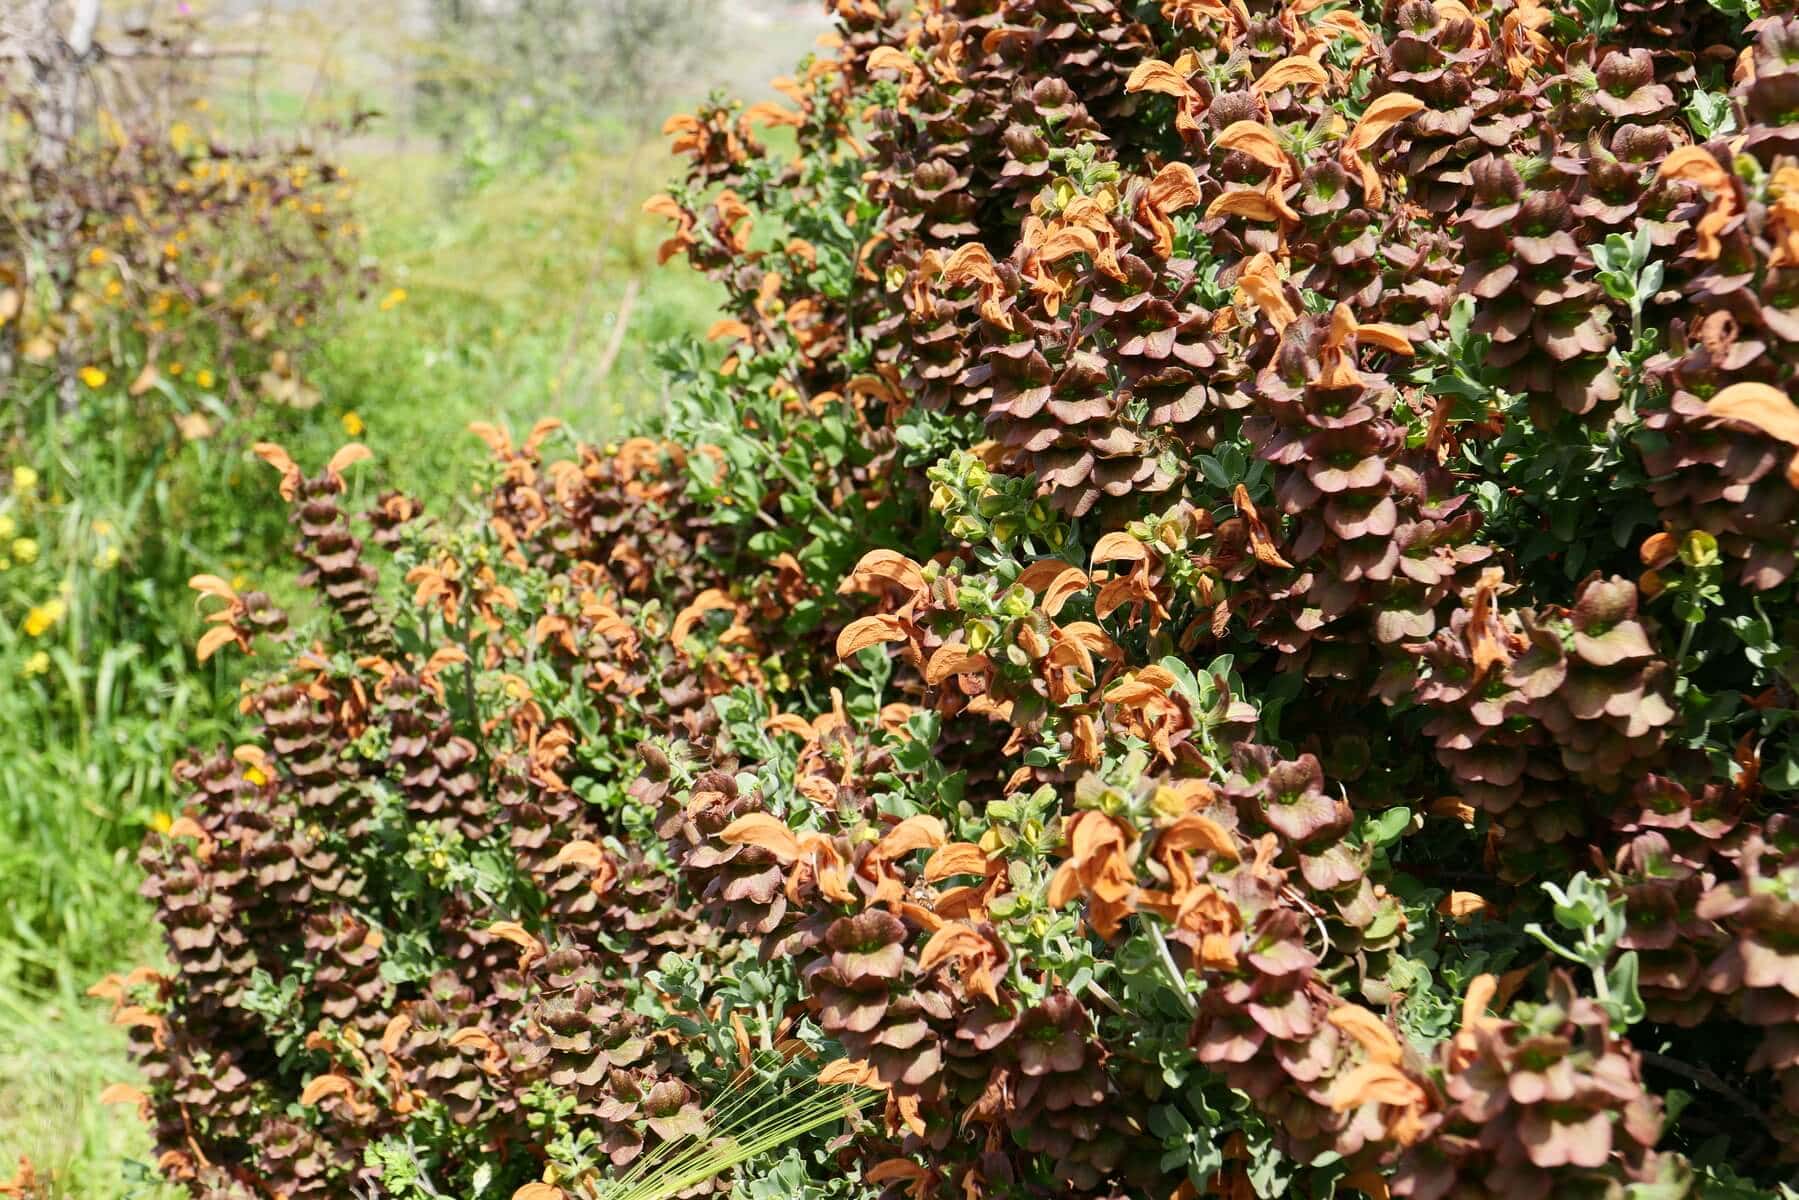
(1708, 1079)
(81, 27)
(616, 342)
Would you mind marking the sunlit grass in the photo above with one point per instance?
(502, 305)
(57, 1053)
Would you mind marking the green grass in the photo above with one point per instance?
(512, 302)
(513, 295)
(57, 1053)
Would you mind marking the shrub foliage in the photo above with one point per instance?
(1214, 620)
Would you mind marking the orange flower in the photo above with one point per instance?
(1170, 79)
(667, 206)
(1098, 867)
(972, 265)
(976, 955)
(1767, 410)
(1173, 189)
(1260, 283)
(1379, 117)
(1346, 333)
(1261, 544)
(1381, 1079)
(231, 622)
(1699, 166)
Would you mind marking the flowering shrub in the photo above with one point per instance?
(1215, 623)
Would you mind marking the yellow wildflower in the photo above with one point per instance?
(352, 424)
(255, 775)
(176, 368)
(103, 527)
(107, 558)
(25, 549)
(8, 526)
(43, 617)
(24, 479)
(161, 821)
(204, 378)
(97, 256)
(94, 377)
(37, 664)
(393, 299)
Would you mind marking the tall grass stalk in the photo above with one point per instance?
(755, 1116)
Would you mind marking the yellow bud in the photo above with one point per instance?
(1167, 802)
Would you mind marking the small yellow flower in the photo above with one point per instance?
(239, 582)
(176, 368)
(114, 289)
(393, 299)
(94, 377)
(97, 256)
(37, 664)
(103, 527)
(204, 378)
(24, 479)
(25, 549)
(43, 617)
(107, 558)
(255, 775)
(352, 424)
(161, 821)
(8, 526)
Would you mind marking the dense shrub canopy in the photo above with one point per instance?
(1215, 620)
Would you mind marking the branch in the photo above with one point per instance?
(82, 26)
(616, 342)
(1708, 1079)
(134, 53)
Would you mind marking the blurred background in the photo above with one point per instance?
(302, 221)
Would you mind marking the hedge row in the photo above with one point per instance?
(1215, 620)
